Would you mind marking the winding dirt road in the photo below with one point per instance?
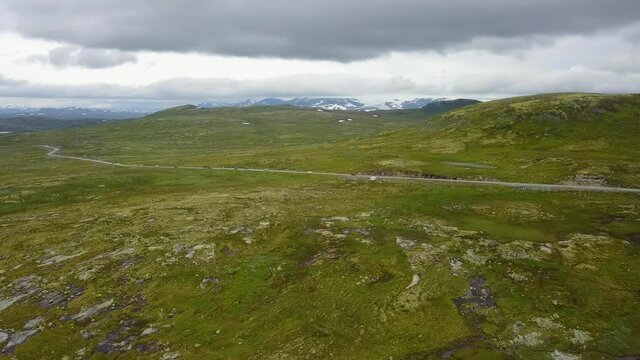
(531, 186)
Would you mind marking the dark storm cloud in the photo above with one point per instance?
(328, 29)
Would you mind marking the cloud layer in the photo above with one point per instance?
(184, 90)
(311, 29)
(90, 58)
(170, 52)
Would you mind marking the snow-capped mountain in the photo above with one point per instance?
(416, 103)
(322, 103)
(68, 113)
(325, 103)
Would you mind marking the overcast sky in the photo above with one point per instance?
(150, 53)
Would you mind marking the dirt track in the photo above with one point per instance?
(531, 186)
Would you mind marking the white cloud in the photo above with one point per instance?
(64, 56)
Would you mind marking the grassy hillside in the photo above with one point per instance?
(548, 138)
(221, 136)
(557, 138)
(104, 262)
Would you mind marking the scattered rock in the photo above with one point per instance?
(329, 233)
(89, 312)
(546, 248)
(405, 244)
(515, 276)
(456, 266)
(517, 250)
(5, 303)
(478, 296)
(330, 254)
(414, 281)
(246, 230)
(120, 252)
(33, 323)
(547, 323)
(212, 281)
(147, 348)
(30, 328)
(474, 258)
(580, 337)
(170, 356)
(51, 299)
(248, 240)
(121, 339)
(530, 339)
(586, 179)
(25, 287)
(336, 218)
(17, 339)
(362, 231)
(558, 355)
(130, 262)
(149, 331)
(59, 258)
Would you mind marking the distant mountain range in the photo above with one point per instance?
(68, 113)
(326, 103)
(37, 116)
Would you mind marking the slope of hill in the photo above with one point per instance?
(563, 138)
(442, 106)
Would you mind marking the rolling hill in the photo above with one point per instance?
(556, 138)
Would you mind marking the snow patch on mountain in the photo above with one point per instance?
(326, 103)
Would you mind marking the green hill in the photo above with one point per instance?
(563, 138)
(556, 138)
(439, 107)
